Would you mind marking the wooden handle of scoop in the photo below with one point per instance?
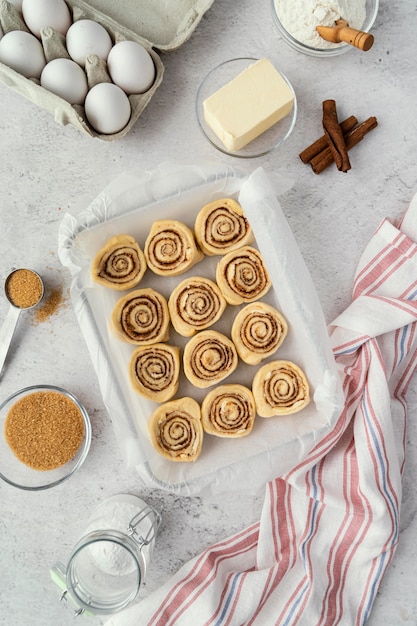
(357, 38)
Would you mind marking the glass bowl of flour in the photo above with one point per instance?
(297, 20)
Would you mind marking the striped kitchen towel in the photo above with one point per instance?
(329, 528)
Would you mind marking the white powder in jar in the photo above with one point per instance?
(115, 514)
(300, 18)
(112, 558)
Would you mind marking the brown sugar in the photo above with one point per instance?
(44, 429)
(24, 288)
(50, 305)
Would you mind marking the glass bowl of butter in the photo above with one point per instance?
(297, 20)
(246, 108)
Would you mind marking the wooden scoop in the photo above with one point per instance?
(342, 32)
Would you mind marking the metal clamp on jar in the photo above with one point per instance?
(109, 563)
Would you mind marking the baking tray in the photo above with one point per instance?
(129, 205)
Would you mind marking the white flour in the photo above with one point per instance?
(110, 557)
(300, 18)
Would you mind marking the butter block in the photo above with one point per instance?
(248, 105)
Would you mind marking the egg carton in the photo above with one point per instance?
(159, 26)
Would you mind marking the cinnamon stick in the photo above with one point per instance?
(321, 143)
(352, 138)
(334, 136)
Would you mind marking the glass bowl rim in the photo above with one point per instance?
(83, 449)
(321, 52)
(223, 149)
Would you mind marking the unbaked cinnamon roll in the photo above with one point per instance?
(176, 431)
(242, 276)
(228, 411)
(170, 248)
(280, 388)
(120, 264)
(221, 227)
(209, 357)
(257, 332)
(141, 317)
(195, 304)
(154, 371)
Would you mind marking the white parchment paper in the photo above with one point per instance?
(129, 205)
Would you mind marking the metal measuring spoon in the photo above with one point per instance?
(19, 301)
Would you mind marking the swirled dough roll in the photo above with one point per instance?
(228, 411)
(176, 431)
(257, 332)
(280, 388)
(242, 276)
(141, 317)
(195, 304)
(154, 371)
(221, 227)
(209, 357)
(170, 248)
(120, 264)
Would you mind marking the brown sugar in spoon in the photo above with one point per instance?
(24, 289)
(342, 32)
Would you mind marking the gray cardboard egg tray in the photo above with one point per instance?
(161, 25)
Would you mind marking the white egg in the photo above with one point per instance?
(22, 52)
(66, 79)
(131, 67)
(107, 108)
(87, 37)
(40, 13)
